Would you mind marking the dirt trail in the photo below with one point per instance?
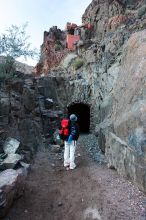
(91, 191)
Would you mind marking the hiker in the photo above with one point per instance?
(70, 135)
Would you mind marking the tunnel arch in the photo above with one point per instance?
(83, 113)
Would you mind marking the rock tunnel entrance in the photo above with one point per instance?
(83, 113)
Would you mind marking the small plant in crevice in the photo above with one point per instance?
(57, 47)
(78, 63)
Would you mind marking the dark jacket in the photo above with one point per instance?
(74, 130)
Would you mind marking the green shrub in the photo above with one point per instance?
(78, 64)
(14, 43)
(141, 11)
(7, 68)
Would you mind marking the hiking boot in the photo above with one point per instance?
(72, 167)
(66, 164)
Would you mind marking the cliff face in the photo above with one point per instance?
(107, 74)
(99, 12)
(52, 52)
(106, 16)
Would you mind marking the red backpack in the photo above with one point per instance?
(64, 130)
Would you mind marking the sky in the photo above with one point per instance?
(40, 15)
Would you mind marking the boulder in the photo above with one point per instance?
(30, 136)
(126, 161)
(10, 146)
(48, 103)
(11, 187)
(10, 161)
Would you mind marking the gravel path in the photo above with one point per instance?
(91, 191)
(90, 144)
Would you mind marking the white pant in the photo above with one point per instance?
(69, 154)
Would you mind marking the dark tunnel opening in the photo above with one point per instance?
(82, 111)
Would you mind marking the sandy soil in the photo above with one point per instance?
(91, 191)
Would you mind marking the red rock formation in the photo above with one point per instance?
(53, 51)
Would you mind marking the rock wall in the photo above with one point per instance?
(119, 87)
(129, 101)
(29, 113)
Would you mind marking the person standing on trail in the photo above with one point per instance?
(69, 132)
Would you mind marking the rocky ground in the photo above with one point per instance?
(91, 191)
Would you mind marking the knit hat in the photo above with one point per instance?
(73, 117)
